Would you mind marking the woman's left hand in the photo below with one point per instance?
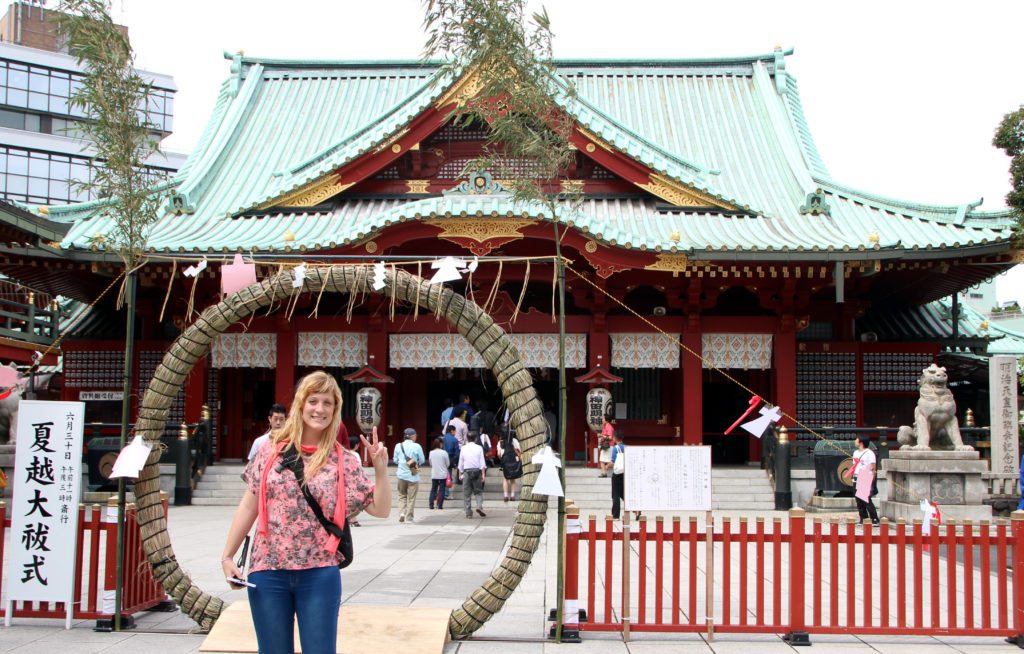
(375, 449)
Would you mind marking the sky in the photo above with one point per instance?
(902, 96)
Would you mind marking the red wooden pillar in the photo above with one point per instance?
(195, 391)
(287, 351)
(693, 382)
(785, 366)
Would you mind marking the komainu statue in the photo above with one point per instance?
(935, 424)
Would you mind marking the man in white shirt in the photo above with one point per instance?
(461, 427)
(472, 470)
(278, 414)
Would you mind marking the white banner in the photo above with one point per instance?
(47, 481)
(676, 478)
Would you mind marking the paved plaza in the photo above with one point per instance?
(434, 562)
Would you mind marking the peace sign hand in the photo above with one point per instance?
(375, 449)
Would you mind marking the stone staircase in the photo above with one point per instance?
(733, 488)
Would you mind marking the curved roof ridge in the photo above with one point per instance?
(569, 61)
(227, 131)
(68, 213)
(889, 202)
(805, 137)
(212, 125)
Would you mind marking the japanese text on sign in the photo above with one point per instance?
(668, 478)
(44, 515)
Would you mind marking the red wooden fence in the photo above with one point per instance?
(791, 577)
(95, 567)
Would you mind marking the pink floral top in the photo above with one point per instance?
(295, 539)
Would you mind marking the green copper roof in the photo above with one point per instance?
(629, 223)
(733, 128)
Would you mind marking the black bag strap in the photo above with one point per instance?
(293, 461)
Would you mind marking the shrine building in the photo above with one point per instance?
(707, 210)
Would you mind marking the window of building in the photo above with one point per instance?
(640, 390)
(48, 90)
(51, 178)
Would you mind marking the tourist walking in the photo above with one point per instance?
(472, 471)
(510, 457)
(275, 420)
(452, 447)
(618, 465)
(294, 559)
(461, 427)
(439, 471)
(863, 471)
(409, 457)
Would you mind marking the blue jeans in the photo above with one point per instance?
(313, 595)
(437, 492)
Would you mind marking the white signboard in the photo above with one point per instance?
(101, 396)
(1002, 399)
(47, 480)
(668, 478)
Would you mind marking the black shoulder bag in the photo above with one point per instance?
(293, 461)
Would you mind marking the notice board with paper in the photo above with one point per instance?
(668, 478)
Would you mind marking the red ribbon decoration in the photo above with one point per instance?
(754, 401)
(5, 394)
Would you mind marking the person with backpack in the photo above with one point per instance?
(510, 456)
(453, 448)
(409, 458)
(618, 461)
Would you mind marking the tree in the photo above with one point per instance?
(1009, 137)
(114, 99)
(528, 142)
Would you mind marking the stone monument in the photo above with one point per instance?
(933, 463)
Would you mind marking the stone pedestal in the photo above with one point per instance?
(822, 504)
(950, 479)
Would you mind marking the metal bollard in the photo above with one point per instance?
(182, 469)
(783, 484)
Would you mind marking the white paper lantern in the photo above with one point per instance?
(599, 404)
(368, 408)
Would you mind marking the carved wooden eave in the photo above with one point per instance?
(480, 235)
(310, 195)
(369, 375)
(673, 192)
(597, 376)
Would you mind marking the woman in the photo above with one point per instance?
(294, 563)
(618, 449)
(863, 471)
(510, 456)
(439, 464)
(604, 445)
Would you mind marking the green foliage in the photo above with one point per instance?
(114, 98)
(528, 142)
(1009, 137)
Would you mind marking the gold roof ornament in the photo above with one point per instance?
(675, 236)
(289, 236)
(983, 325)
(874, 238)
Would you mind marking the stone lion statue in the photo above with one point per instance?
(935, 424)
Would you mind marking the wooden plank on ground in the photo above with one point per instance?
(361, 628)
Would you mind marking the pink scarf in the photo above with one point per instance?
(339, 506)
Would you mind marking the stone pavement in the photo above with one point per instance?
(433, 562)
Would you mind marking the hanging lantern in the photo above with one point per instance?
(368, 408)
(599, 404)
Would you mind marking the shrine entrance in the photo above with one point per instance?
(489, 340)
(723, 403)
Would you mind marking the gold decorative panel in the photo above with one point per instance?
(479, 230)
(310, 195)
(417, 185)
(680, 195)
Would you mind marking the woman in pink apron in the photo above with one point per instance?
(863, 469)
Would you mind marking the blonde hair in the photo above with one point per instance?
(311, 384)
